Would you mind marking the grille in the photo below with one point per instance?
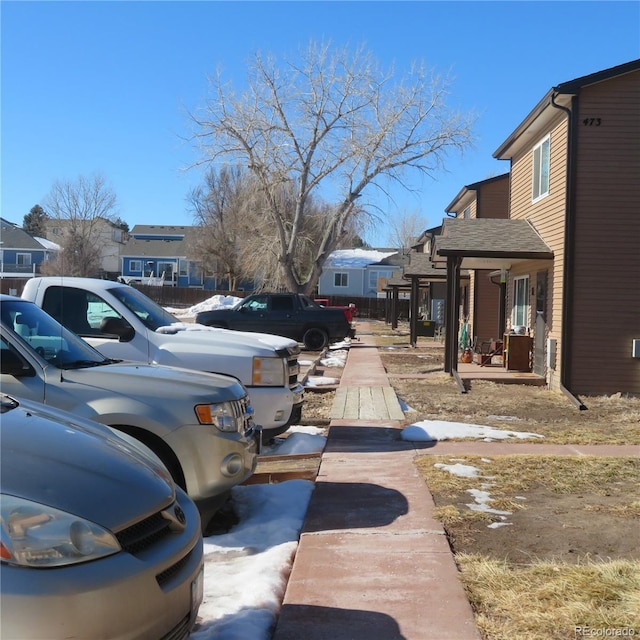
(144, 534)
(242, 409)
(166, 576)
(293, 367)
(180, 631)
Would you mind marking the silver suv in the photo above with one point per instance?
(199, 424)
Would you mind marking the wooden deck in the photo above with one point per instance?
(366, 403)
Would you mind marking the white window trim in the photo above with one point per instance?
(526, 306)
(26, 259)
(537, 170)
(341, 273)
(135, 266)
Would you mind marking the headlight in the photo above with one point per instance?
(268, 372)
(36, 535)
(226, 416)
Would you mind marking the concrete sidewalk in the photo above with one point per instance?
(372, 562)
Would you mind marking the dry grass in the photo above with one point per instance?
(434, 395)
(569, 564)
(549, 601)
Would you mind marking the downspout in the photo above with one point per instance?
(502, 312)
(569, 252)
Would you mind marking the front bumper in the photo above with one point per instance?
(120, 597)
(276, 408)
(212, 462)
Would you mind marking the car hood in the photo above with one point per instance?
(199, 333)
(79, 467)
(144, 381)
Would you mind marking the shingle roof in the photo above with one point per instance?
(490, 238)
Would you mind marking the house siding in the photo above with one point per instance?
(606, 274)
(548, 217)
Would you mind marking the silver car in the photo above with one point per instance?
(96, 540)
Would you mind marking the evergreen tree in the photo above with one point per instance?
(35, 222)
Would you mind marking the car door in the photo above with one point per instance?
(252, 314)
(96, 311)
(283, 317)
(29, 382)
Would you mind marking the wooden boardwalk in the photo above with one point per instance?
(366, 403)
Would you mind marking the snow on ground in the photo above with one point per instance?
(430, 430)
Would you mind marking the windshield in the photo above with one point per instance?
(48, 337)
(153, 316)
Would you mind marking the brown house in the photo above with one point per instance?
(569, 252)
(482, 302)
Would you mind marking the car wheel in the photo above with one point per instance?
(315, 339)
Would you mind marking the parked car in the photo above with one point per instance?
(96, 539)
(293, 315)
(199, 424)
(121, 322)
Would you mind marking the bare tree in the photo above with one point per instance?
(332, 123)
(78, 210)
(405, 228)
(220, 212)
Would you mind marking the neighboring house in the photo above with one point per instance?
(358, 272)
(482, 304)
(568, 252)
(159, 254)
(104, 234)
(21, 255)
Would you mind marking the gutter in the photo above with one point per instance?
(569, 246)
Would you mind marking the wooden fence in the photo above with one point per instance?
(183, 298)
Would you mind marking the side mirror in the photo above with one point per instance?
(117, 327)
(12, 364)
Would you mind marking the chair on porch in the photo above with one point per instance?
(486, 349)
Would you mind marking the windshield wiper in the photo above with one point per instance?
(82, 364)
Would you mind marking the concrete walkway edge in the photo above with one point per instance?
(372, 562)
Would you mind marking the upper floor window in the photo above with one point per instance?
(135, 266)
(541, 169)
(467, 212)
(340, 279)
(23, 259)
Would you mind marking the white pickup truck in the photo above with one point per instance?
(121, 322)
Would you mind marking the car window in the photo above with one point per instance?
(152, 315)
(282, 303)
(256, 304)
(49, 338)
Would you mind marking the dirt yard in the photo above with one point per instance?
(595, 515)
(565, 511)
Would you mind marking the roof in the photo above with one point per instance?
(489, 243)
(562, 95)
(421, 266)
(356, 258)
(474, 187)
(14, 237)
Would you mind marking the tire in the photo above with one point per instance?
(315, 339)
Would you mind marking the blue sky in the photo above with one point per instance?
(104, 87)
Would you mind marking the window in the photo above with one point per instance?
(135, 266)
(541, 169)
(467, 212)
(520, 316)
(374, 277)
(23, 259)
(165, 268)
(340, 279)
